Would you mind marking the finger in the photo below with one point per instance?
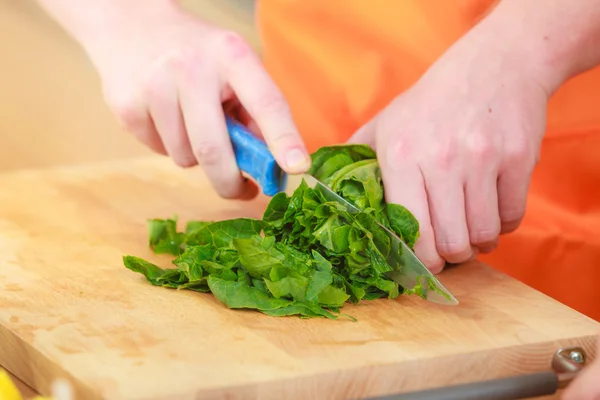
(228, 95)
(475, 253)
(199, 97)
(263, 100)
(147, 134)
(163, 104)
(132, 115)
(513, 185)
(234, 109)
(250, 123)
(487, 248)
(448, 215)
(481, 203)
(404, 185)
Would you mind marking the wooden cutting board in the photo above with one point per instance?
(69, 308)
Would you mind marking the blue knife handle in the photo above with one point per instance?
(254, 158)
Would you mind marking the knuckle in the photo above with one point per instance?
(125, 109)
(520, 152)
(512, 215)
(282, 141)
(484, 236)
(152, 86)
(426, 250)
(230, 46)
(234, 45)
(434, 265)
(445, 156)
(229, 186)
(453, 248)
(269, 102)
(159, 75)
(182, 62)
(399, 150)
(208, 153)
(482, 149)
(511, 220)
(228, 192)
(184, 160)
(181, 152)
(179, 147)
(488, 247)
(177, 58)
(509, 227)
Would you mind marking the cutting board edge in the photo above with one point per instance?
(351, 381)
(38, 374)
(376, 380)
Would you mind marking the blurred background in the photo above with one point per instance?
(51, 107)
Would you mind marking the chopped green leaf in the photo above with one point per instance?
(163, 236)
(307, 256)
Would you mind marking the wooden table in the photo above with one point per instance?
(69, 308)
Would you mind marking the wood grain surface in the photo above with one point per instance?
(69, 308)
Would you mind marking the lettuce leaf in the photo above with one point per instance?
(306, 256)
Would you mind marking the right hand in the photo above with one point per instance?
(169, 77)
(461, 160)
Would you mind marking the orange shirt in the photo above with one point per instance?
(339, 62)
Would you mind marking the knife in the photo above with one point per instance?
(255, 159)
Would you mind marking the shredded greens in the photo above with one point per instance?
(307, 256)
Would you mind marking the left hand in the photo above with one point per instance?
(459, 147)
(587, 384)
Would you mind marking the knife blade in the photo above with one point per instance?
(255, 159)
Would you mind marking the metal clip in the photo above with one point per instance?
(567, 363)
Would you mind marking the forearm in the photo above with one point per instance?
(557, 38)
(90, 20)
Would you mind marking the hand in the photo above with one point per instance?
(587, 384)
(169, 76)
(459, 147)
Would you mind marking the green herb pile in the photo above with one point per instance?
(307, 256)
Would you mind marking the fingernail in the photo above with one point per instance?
(296, 158)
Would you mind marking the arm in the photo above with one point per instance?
(458, 148)
(557, 38)
(171, 77)
(90, 22)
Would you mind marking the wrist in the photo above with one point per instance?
(549, 41)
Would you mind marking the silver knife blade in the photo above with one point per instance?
(408, 271)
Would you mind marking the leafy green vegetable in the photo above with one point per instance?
(352, 171)
(307, 256)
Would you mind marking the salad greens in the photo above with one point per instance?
(307, 256)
